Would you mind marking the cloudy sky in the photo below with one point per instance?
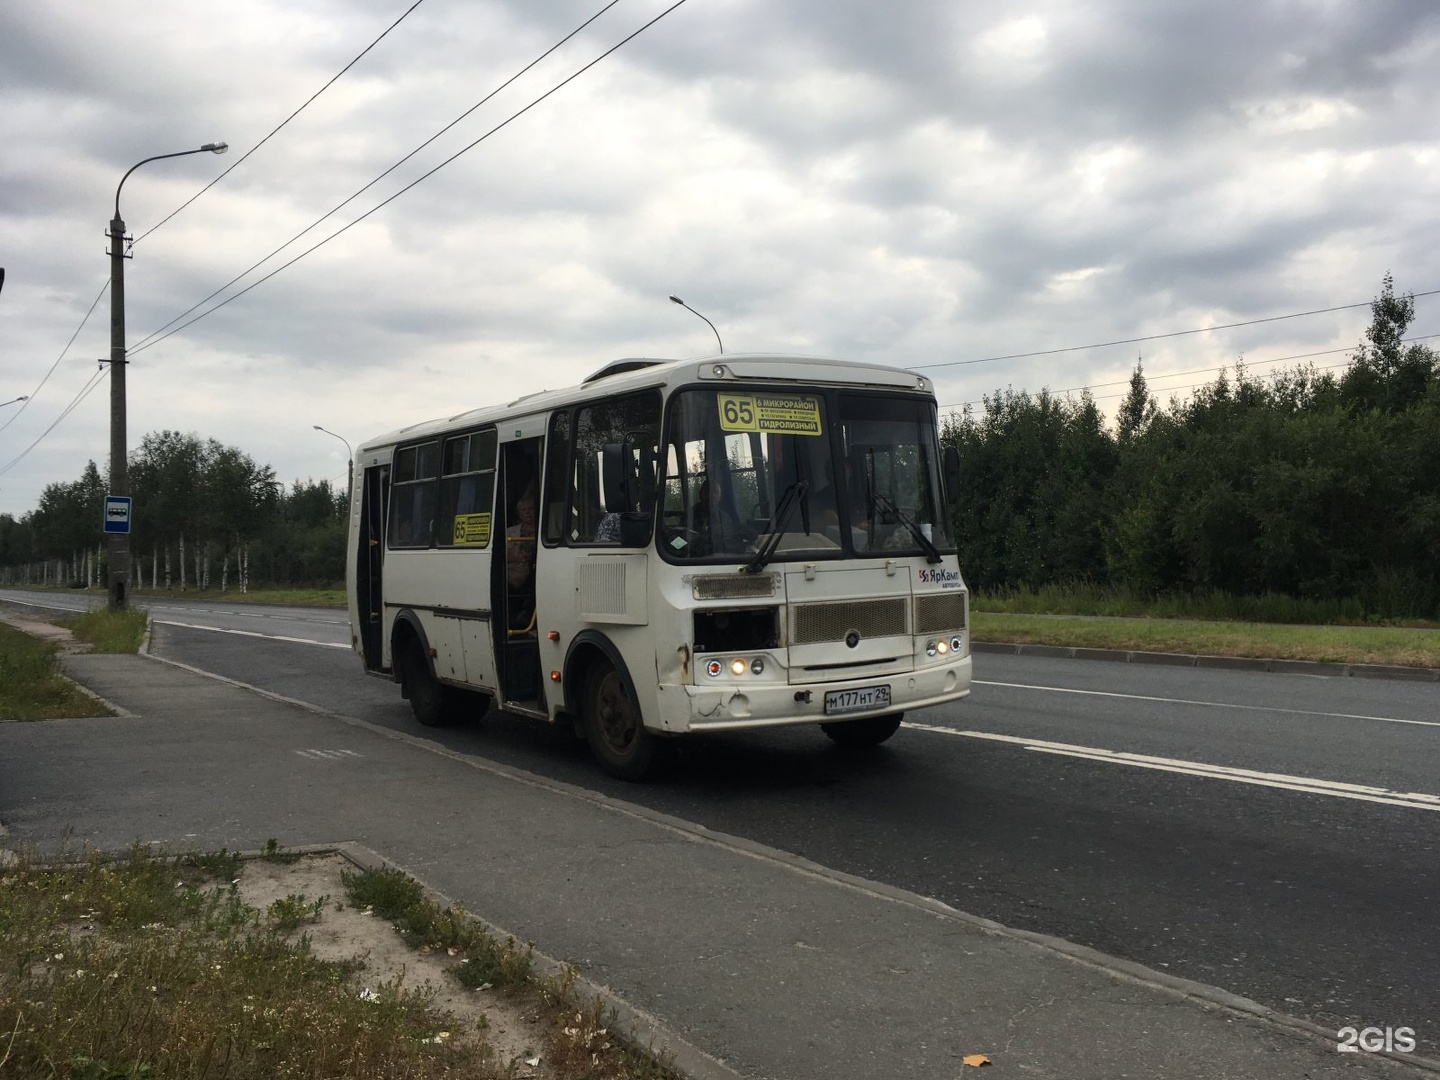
(919, 183)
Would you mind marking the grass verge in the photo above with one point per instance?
(581, 1039)
(31, 686)
(1335, 644)
(1210, 605)
(110, 631)
(151, 967)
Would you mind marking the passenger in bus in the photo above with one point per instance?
(608, 531)
(523, 526)
(520, 586)
(717, 529)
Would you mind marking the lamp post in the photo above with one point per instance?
(119, 548)
(350, 457)
(687, 307)
(12, 401)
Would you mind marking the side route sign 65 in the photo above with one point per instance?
(117, 513)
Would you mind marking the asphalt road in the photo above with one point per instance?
(1272, 835)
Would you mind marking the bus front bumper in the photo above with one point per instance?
(736, 707)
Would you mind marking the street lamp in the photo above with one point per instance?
(118, 547)
(350, 456)
(687, 307)
(12, 401)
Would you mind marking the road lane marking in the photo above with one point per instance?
(328, 755)
(1208, 704)
(1309, 785)
(254, 633)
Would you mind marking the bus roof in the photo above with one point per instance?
(637, 373)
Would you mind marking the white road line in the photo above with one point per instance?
(1307, 784)
(254, 633)
(1208, 704)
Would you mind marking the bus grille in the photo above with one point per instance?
(935, 612)
(882, 617)
(732, 586)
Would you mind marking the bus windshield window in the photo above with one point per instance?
(892, 475)
(748, 471)
(730, 460)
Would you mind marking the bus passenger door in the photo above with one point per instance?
(369, 564)
(513, 576)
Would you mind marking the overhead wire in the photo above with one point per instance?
(26, 403)
(1248, 364)
(80, 396)
(1158, 337)
(93, 382)
(146, 340)
(423, 177)
(240, 160)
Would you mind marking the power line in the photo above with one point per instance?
(1197, 371)
(308, 101)
(145, 341)
(423, 177)
(26, 404)
(84, 392)
(282, 123)
(1157, 337)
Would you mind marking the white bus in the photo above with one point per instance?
(743, 541)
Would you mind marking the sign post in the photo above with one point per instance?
(117, 514)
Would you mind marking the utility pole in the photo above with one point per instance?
(119, 542)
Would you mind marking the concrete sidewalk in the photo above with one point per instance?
(753, 962)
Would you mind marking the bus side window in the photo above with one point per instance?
(556, 526)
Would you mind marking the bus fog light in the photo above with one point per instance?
(713, 668)
(738, 666)
(757, 666)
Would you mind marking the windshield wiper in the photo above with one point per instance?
(932, 553)
(784, 510)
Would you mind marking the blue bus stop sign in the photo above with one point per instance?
(117, 513)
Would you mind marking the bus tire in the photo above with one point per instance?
(870, 731)
(617, 736)
(430, 700)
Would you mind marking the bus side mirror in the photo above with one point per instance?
(952, 474)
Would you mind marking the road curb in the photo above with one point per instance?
(644, 1033)
(1230, 663)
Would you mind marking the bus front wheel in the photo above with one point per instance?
(617, 736)
(871, 731)
(429, 699)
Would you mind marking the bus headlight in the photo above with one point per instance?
(956, 644)
(738, 666)
(713, 668)
(757, 666)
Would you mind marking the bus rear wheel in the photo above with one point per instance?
(430, 700)
(617, 736)
(871, 731)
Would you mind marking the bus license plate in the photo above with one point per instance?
(861, 700)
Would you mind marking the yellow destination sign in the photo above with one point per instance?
(472, 530)
(787, 414)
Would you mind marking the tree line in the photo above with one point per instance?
(203, 515)
(1306, 484)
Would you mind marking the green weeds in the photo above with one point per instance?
(423, 924)
(31, 686)
(108, 631)
(148, 968)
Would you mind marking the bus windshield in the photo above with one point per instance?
(759, 475)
